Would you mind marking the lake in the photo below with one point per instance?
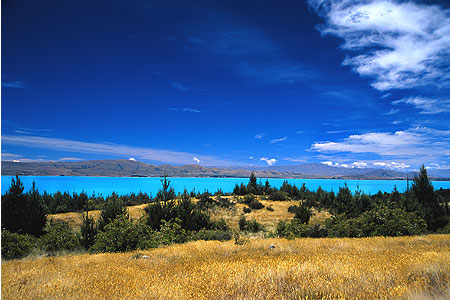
(150, 185)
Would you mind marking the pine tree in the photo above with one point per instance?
(429, 208)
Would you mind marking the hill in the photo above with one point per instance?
(130, 168)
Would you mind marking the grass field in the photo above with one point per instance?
(372, 268)
(268, 218)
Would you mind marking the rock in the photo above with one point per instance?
(272, 246)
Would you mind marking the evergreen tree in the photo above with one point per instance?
(23, 213)
(166, 193)
(430, 209)
(113, 207)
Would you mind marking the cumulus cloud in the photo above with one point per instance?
(392, 165)
(400, 44)
(419, 144)
(270, 161)
(427, 106)
(196, 160)
(278, 140)
(132, 159)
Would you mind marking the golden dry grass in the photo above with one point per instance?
(268, 218)
(74, 218)
(372, 268)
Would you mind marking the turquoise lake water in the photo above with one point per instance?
(150, 185)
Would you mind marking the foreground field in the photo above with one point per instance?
(372, 268)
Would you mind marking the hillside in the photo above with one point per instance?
(129, 168)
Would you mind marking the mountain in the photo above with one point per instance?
(130, 168)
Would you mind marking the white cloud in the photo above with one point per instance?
(392, 165)
(165, 156)
(427, 106)
(401, 44)
(251, 157)
(259, 136)
(196, 160)
(392, 112)
(270, 162)
(359, 164)
(132, 159)
(328, 163)
(278, 140)
(186, 109)
(418, 144)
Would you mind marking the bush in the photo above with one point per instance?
(15, 245)
(269, 208)
(247, 210)
(113, 207)
(252, 202)
(172, 233)
(88, 231)
(303, 213)
(250, 226)
(278, 196)
(292, 229)
(209, 235)
(58, 237)
(122, 235)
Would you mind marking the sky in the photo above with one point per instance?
(227, 83)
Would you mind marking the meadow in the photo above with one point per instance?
(370, 268)
(268, 218)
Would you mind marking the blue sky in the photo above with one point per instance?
(345, 83)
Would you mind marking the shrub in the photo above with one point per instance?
(58, 237)
(251, 226)
(171, 233)
(278, 196)
(208, 235)
(303, 213)
(292, 229)
(113, 207)
(247, 210)
(122, 235)
(88, 231)
(252, 202)
(269, 208)
(15, 245)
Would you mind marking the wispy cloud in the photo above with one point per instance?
(368, 164)
(278, 140)
(150, 154)
(247, 50)
(178, 86)
(186, 109)
(78, 159)
(14, 84)
(196, 160)
(270, 161)
(392, 112)
(400, 44)
(259, 136)
(427, 106)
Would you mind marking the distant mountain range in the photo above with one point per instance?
(130, 168)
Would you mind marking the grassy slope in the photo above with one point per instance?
(371, 268)
(231, 216)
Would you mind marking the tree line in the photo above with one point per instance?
(171, 218)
